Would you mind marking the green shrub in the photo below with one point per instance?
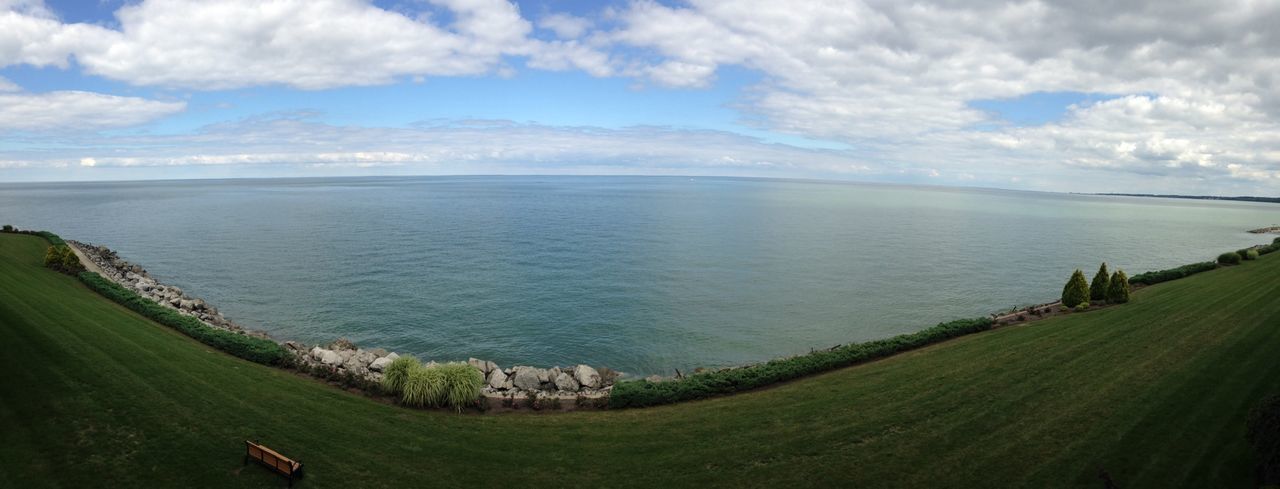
(1263, 432)
(1152, 278)
(1250, 254)
(1118, 290)
(1229, 258)
(1076, 290)
(70, 262)
(395, 374)
(53, 239)
(1098, 288)
(1084, 306)
(641, 393)
(257, 350)
(8, 228)
(53, 257)
(423, 386)
(462, 384)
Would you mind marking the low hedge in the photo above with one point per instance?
(1152, 278)
(257, 350)
(642, 393)
(53, 239)
(1229, 258)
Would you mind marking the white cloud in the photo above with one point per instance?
(565, 26)
(74, 110)
(8, 86)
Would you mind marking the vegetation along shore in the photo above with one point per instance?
(96, 391)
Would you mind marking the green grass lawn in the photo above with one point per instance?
(1155, 392)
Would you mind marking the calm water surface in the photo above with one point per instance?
(640, 274)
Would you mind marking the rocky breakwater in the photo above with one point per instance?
(523, 381)
(344, 362)
(133, 277)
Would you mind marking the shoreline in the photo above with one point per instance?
(346, 365)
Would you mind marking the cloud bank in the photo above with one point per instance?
(1195, 84)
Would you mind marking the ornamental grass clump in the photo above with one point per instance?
(462, 384)
(394, 376)
(423, 386)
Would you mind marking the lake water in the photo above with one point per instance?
(641, 274)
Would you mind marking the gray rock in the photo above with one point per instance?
(378, 352)
(544, 376)
(653, 378)
(565, 382)
(346, 356)
(380, 364)
(509, 384)
(527, 378)
(479, 364)
(328, 357)
(363, 357)
(586, 376)
(318, 353)
(497, 379)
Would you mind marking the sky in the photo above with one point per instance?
(1080, 96)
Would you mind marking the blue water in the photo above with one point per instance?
(641, 274)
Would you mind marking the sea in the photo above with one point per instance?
(644, 275)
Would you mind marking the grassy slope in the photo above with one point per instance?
(1154, 391)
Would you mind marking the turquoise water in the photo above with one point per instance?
(641, 274)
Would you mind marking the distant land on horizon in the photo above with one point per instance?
(1272, 200)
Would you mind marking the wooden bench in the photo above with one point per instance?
(279, 463)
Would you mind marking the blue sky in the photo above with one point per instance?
(939, 93)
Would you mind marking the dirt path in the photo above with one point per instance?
(88, 264)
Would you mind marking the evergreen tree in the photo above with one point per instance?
(70, 262)
(1076, 291)
(53, 257)
(1101, 283)
(1118, 290)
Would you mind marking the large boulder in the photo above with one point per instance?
(329, 357)
(544, 375)
(318, 353)
(363, 357)
(527, 378)
(586, 376)
(380, 364)
(497, 379)
(565, 382)
(393, 355)
(482, 365)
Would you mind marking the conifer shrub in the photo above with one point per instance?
(1098, 288)
(1229, 258)
(70, 262)
(1076, 290)
(1118, 289)
(394, 376)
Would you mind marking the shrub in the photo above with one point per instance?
(462, 384)
(1098, 289)
(1076, 290)
(257, 350)
(641, 393)
(1229, 258)
(1152, 278)
(53, 257)
(395, 374)
(71, 262)
(1118, 290)
(1084, 306)
(8, 228)
(1251, 254)
(423, 386)
(1263, 432)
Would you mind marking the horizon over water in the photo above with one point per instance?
(640, 274)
